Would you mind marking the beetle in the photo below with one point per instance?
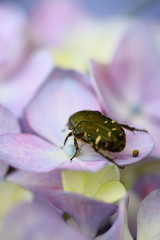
(102, 132)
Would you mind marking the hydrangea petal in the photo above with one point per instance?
(52, 21)
(119, 229)
(79, 164)
(50, 180)
(146, 184)
(137, 62)
(140, 141)
(105, 89)
(13, 38)
(16, 93)
(3, 168)
(88, 213)
(38, 221)
(8, 124)
(148, 219)
(31, 153)
(62, 95)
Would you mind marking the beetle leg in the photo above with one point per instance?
(69, 135)
(132, 128)
(77, 149)
(111, 159)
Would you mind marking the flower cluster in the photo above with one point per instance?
(111, 187)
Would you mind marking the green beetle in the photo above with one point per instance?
(100, 131)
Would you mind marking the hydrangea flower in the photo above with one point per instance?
(17, 91)
(128, 87)
(148, 220)
(64, 93)
(100, 37)
(89, 200)
(27, 218)
(20, 63)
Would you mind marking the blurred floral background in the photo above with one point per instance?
(58, 57)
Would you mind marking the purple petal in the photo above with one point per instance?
(125, 87)
(146, 184)
(37, 221)
(50, 180)
(51, 21)
(88, 213)
(133, 207)
(119, 229)
(140, 141)
(13, 38)
(148, 219)
(64, 93)
(3, 168)
(8, 123)
(16, 93)
(154, 130)
(136, 62)
(105, 88)
(83, 165)
(31, 153)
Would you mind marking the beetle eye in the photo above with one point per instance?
(69, 126)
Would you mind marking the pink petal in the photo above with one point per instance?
(52, 21)
(13, 38)
(146, 184)
(37, 221)
(64, 93)
(8, 122)
(140, 141)
(92, 165)
(50, 180)
(87, 212)
(16, 93)
(136, 62)
(31, 153)
(119, 229)
(148, 219)
(107, 92)
(127, 81)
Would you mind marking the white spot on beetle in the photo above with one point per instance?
(109, 134)
(97, 140)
